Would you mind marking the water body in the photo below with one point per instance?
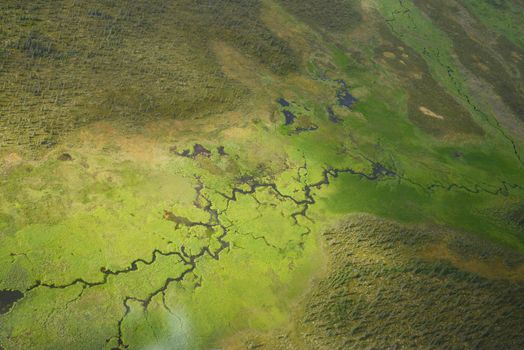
(198, 149)
(343, 96)
(290, 117)
(221, 151)
(332, 116)
(283, 102)
(8, 298)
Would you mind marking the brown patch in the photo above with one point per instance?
(237, 133)
(278, 21)
(12, 159)
(307, 85)
(492, 268)
(106, 136)
(244, 340)
(237, 66)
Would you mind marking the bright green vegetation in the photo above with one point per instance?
(179, 175)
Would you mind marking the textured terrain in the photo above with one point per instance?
(272, 174)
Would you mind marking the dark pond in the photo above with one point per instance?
(283, 102)
(343, 96)
(290, 117)
(8, 298)
(198, 149)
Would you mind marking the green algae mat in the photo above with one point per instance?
(275, 174)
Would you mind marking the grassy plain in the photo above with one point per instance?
(170, 172)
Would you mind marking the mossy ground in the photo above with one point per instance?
(152, 195)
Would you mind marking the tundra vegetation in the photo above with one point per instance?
(261, 174)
